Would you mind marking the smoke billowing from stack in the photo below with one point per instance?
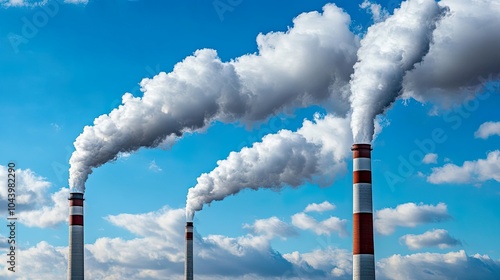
(363, 263)
(315, 153)
(308, 64)
(76, 248)
(419, 52)
(188, 265)
(389, 49)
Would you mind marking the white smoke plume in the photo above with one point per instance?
(315, 153)
(390, 60)
(441, 52)
(389, 49)
(463, 56)
(310, 63)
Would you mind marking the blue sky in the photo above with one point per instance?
(435, 163)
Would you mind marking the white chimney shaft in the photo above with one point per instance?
(75, 258)
(188, 266)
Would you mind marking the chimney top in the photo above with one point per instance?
(361, 147)
(75, 196)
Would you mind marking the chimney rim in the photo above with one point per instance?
(361, 147)
(76, 195)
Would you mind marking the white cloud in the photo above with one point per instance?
(435, 238)
(76, 1)
(271, 227)
(21, 3)
(159, 249)
(430, 158)
(36, 3)
(325, 227)
(322, 207)
(475, 172)
(377, 12)
(433, 266)
(487, 129)
(409, 215)
(327, 263)
(50, 215)
(123, 155)
(157, 252)
(42, 261)
(35, 206)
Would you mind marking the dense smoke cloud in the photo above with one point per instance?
(431, 51)
(389, 49)
(462, 57)
(395, 58)
(315, 153)
(309, 64)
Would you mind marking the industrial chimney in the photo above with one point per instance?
(363, 260)
(188, 266)
(75, 258)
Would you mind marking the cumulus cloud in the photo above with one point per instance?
(311, 63)
(471, 172)
(377, 12)
(325, 227)
(159, 248)
(434, 266)
(430, 158)
(325, 263)
(315, 153)
(409, 215)
(435, 238)
(271, 227)
(51, 214)
(42, 261)
(157, 252)
(35, 206)
(487, 129)
(322, 207)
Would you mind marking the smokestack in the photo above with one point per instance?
(188, 266)
(75, 258)
(363, 253)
